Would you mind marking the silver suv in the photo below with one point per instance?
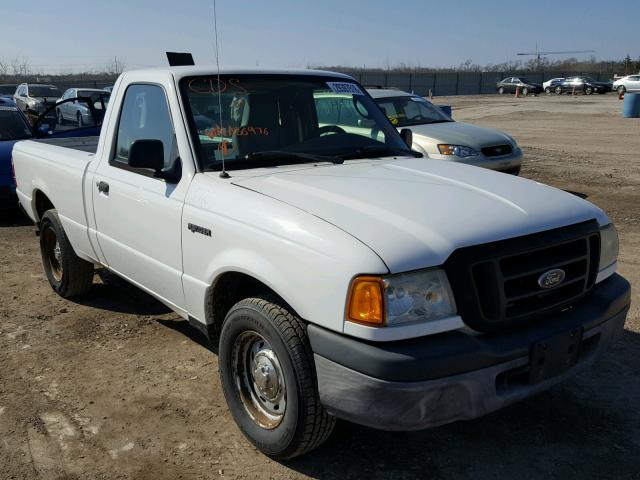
(35, 98)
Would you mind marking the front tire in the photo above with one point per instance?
(60, 117)
(500, 91)
(621, 89)
(525, 91)
(68, 274)
(547, 90)
(588, 91)
(269, 381)
(558, 90)
(79, 120)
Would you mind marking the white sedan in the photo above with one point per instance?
(439, 137)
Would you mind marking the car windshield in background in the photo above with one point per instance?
(524, 80)
(411, 110)
(43, 91)
(269, 120)
(12, 125)
(95, 96)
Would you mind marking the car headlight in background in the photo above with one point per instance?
(400, 299)
(457, 150)
(608, 246)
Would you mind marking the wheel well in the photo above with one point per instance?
(229, 289)
(42, 204)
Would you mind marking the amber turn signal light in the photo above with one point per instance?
(366, 301)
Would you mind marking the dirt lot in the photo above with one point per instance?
(113, 386)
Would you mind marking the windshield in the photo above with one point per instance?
(12, 125)
(269, 120)
(96, 96)
(43, 91)
(7, 89)
(406, 111)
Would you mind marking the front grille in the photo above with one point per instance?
(496, 284)
(497, 150)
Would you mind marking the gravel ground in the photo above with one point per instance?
(114, 386)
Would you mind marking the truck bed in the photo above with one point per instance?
(83, 144)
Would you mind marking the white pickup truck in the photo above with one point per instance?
(340, 274)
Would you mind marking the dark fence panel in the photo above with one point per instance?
(458, 83)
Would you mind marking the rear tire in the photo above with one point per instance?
(79, 120)
(268, 378)
(68, 274)
(500, 91)
(525, 91)
(588, 91)
(60, 117)
(621, 89)
(547, 90)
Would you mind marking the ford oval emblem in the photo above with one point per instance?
(552, 278)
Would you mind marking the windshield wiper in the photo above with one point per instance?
(271, 155)
(377, 151)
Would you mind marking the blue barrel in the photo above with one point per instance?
(631, 108)
(446, 109)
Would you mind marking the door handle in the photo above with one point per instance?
(103, 187)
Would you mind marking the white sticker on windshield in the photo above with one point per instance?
(345, 87)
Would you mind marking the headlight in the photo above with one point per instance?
(608, 246)
(399, 299)
(457, 150)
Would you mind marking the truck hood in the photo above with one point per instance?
(414, 212)
(457, 133)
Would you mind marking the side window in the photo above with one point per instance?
(22, 91)
(145, 116)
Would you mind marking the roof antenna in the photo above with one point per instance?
(223, 173)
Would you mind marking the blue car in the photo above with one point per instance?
(14, 126)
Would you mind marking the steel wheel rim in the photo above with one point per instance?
(53, 253)
(259, 380)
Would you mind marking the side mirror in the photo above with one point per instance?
(147, 154)
(150, 154)
(407, 136)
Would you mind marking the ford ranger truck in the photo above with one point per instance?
(340, 274)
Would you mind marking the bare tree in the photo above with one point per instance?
(115, 67)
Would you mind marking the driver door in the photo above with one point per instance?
(138, 216)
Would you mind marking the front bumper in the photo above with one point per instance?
(429, 381)
(510, 162)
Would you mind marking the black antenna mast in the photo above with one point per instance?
(224, 173)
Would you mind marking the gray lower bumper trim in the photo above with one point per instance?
(386, 405)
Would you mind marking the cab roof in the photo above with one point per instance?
(207, 70)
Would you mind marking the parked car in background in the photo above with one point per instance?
(8, 90)
(579, 84)
(550, 85)
(630, 83)
(510, 84)
(77, 112)
(439, 137)
(14, 126)
(33, 99)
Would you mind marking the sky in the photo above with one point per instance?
(78, 35)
